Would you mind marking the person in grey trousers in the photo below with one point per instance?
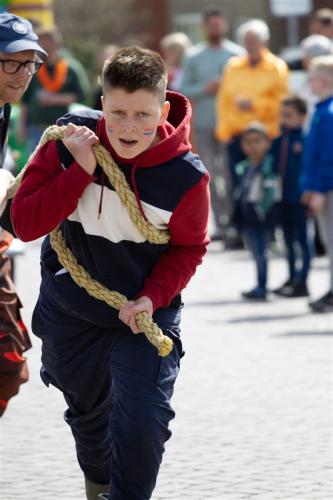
(203, 67)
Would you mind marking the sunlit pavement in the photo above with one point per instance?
(253, 398)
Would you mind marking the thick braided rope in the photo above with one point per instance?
(79, 275)
(118, 181)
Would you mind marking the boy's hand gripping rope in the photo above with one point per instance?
(79, 275)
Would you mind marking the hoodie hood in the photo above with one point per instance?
(174, 135)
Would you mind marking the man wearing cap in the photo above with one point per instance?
(20, 58)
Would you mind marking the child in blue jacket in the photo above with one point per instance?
(288, 156)
(317, 177)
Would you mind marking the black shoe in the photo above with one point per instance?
(258, 294)
(324, 304)
(285, 288)
(103, 496)
(296, 290)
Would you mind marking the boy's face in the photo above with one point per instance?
(255, 145)
(290, 117)
(131, 120)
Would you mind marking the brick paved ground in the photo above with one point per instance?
(253, 400)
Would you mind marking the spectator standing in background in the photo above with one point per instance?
(251, 89)
(288, 156)
(203, 67)
(257, 196)
(52, 91)
(311, 46)
(173, 48)
(20, 58)
(322, 23)
(317, 176)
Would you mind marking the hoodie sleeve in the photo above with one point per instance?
(47, 194)
(188, 228)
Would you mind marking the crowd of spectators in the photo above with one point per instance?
(243, 97)
(256, 125)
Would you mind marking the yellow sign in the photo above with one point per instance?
(37, 11)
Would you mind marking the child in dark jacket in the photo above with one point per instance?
(288, 156)
(256, 196)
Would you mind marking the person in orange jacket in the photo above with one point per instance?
(251, 89)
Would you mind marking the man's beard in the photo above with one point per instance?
(215, 39)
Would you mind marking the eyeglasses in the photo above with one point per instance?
(11, 67)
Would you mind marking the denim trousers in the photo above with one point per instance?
(257, 240)
(118, 392)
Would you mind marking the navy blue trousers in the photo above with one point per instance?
(294, 224)
(118, 394)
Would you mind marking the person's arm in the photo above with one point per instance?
(188, 228)
(324, 164)
(48, 193)
(318, 155)
(189, 239)
(317, 171)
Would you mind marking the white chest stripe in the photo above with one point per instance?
(114, 222)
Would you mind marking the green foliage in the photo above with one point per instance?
(86, 51)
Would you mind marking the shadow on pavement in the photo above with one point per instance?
(203, 303)
(267, 317)
(323, 333)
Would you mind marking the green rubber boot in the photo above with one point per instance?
(93, 489)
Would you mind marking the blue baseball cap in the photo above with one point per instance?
(17, 34)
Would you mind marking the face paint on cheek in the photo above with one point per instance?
(149, 131)
(109, 129)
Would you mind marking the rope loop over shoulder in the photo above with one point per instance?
(79, 275)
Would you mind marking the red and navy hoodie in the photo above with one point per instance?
(171, 186)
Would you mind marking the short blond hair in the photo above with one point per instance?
(178, 42)
(322, 65)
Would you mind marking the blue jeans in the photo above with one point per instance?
(257, 239)
(118, 393)
(298, 244)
